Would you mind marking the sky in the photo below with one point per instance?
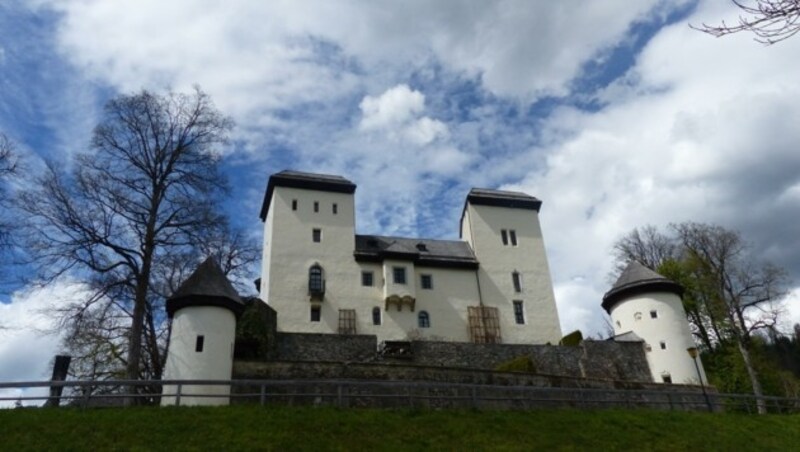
(616, 114)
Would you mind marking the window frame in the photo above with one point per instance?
(316, 279)
(364, 275)
(294, 204)
(402, 271)
(199, 343)
(335, 209)
(377, 316)
(519, 312)
(654, 313)
(504, 236)
(316, 235)
(315, 314)
(426, 277)
(316, 206)
(512, 235)
(423, 319)
(516, 280)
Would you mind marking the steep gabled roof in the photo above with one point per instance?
(308, 181)
(423, 252)
(207, 286)
(637, 279)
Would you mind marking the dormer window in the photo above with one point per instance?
(422, 247)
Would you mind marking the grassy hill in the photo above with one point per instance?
(308, 428)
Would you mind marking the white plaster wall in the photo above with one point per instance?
(289, 252)
(671, 326)
(218, 326)
(482, 227)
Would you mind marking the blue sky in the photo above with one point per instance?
(616, 114)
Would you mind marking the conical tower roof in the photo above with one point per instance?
(637, 279)
(207, 286)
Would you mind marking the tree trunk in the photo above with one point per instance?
(761, 405)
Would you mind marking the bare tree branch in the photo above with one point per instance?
(771, 21)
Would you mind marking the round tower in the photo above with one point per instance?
(203, 310)
(649, 305)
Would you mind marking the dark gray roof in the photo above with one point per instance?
(207, 286)
(308, 181)
(500, 198)
(424, 252)
(637, 279)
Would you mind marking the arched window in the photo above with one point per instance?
(376, 316)
(316, 283)
(423, 319)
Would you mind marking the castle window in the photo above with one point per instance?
(376, 316)
(666, 378)
(519, 312)
(294, 204)
(422, 247)
(316, 235)
(335, 209)
(515, 278)
(512, 234)
(637, 316)
(315, 313)
(316, 206)
(423, 319)
(366, 279)
(198, 345)
(316, 282)
(663, 345)
(399, 274)
(648, 348)
(653, 314)
(347, 321)
(426, 281)
(504, 236)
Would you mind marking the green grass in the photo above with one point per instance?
(306, 428)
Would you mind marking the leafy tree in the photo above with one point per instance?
(140, 206)
(771, 21)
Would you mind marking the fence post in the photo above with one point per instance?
(178, 394)
(263, 394)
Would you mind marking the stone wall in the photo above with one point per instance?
(325, 347)
(398, 385)
(591, 359)
(258, 340)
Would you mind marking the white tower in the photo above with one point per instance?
(649, 305)
(502, 227)
(203, 311)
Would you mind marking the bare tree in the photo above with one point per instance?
(646, 245)
(8, 167)
(148, 189)
(771, 21)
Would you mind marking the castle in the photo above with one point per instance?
(492, 286)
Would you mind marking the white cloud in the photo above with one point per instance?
(701, 129)
(27, 343)
(397, 113)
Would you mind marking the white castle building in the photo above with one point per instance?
(491, 286)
